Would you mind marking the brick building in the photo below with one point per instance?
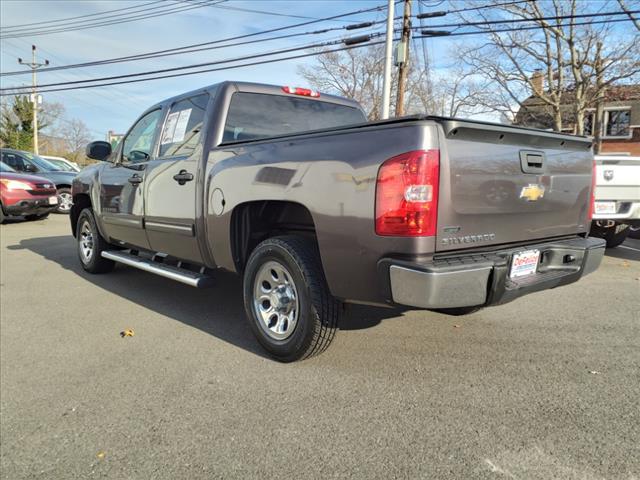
(621, 126)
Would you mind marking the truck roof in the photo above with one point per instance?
(254, 88)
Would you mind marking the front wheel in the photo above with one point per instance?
(287, 300)
(91, 244)
(65, 201)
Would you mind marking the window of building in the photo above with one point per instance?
(589, 123)
(616, 123)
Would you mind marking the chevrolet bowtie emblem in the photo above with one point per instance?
(532, 192)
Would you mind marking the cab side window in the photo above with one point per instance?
(138, 144)
(183, 126)
(14, 161)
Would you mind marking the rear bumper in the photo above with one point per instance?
(31, 206)
(483, 278)
(625, 212)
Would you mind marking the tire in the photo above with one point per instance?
(297, 317)
(634, 232)
(2, 216)
(458, 311)
(65, 201)
(40, 216)
(614, 236)
(90, 244)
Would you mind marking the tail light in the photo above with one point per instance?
(592, 200)
(407, 194)
(305, 92)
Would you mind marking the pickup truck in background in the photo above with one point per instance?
(617, 204)
(316, 207)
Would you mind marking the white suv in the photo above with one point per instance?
(617, 207)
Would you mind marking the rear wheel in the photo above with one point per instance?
(65, 201)
(614, 236)
(634, 232)
(290, 309)
(90, 244)
(2, 217)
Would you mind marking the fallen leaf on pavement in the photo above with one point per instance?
(127, 333)
(100, 455)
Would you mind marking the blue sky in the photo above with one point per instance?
(115, 108)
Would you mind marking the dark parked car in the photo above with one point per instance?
(26, 162)
(25, 195)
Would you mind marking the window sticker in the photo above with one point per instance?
(181, 125)
(169, 128)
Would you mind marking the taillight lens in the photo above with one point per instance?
(592, 200)
(305, 92)
(407, 194)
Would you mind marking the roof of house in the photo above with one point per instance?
(614, 93)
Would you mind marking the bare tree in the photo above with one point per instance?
(358, 74)
(562, 52)
(76, 135)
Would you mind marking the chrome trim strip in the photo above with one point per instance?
(122, 221)
(187, 230)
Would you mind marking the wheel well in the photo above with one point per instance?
(63, 185)
(253, 222)
(80, 202)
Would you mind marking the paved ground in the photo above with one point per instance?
(546, 387)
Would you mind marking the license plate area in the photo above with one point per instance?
(524, 263)
(53, 200)
(605, 208)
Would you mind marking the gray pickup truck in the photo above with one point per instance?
(316, 207)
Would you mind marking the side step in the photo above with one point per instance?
(182, 275)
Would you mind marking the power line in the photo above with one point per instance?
(522, 20)
(12, 27)
(108, 23)
(187, 67)
(304, 55)
(457, 25)
(178, 50)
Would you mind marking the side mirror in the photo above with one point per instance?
(30, 168)
(99, 150)
(136, 156)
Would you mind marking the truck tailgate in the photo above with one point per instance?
(618, 178)
(503, 184)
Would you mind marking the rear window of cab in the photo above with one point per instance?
(254, 116)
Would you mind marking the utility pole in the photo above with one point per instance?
(403, 57)
(598, 120)
(388, 56)
(34, 92)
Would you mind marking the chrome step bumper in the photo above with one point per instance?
(483, 278)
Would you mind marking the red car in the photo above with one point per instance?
(25, 195)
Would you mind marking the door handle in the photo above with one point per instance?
(183, 177)
(135, 179)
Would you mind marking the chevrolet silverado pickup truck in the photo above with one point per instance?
(316, 207)
(617, 202)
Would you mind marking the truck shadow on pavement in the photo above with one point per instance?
(629, 250)
(218, 311)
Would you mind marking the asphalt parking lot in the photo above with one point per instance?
(545, 387)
